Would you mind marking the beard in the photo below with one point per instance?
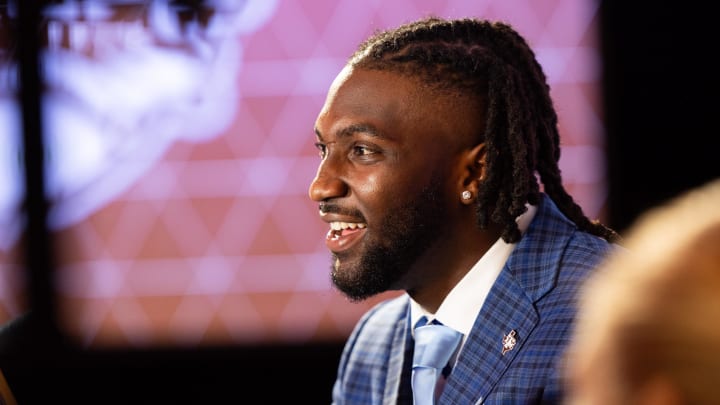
(411, 227)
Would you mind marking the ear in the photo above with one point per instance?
(474, 171)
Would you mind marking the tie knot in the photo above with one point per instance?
(423, 321)
(435, 344)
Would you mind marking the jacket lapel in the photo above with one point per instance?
(481, 362)
(400, 350)
(529, 273)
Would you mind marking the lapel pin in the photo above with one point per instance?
(509, 342)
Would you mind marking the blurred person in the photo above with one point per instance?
(123, 80)
(649, 319)
(439, 176)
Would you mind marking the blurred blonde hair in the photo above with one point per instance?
(655, 308)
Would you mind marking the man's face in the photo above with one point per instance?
(387, 178)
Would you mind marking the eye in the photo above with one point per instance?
(322, 149)
(362, 150)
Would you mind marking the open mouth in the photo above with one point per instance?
(343, 235)
(337, 229)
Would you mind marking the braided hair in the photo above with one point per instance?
(490, 62)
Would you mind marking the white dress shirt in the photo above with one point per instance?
(463, 303)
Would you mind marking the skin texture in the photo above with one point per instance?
(396, 156)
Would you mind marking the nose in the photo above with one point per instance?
(327, 183)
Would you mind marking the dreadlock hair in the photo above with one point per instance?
(490, 62)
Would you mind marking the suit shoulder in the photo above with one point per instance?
(384, 313)
(585, 248)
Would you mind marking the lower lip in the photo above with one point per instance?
(338, 243)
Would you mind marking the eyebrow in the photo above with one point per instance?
(353, 129)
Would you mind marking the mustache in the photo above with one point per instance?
(332, 208)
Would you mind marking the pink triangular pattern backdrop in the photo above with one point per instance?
(218, 243)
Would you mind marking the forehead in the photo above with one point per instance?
(392, 101)
(371, 93)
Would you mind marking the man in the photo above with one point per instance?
(433, 140)
(649, 320)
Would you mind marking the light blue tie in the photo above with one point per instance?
(434, 346)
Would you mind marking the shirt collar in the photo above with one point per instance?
(462, 304)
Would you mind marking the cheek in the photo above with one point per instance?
(376, 193)
(382, 193)
(395, 185)
(381, 189)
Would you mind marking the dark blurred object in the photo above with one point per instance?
(44, 375)
(661, 86)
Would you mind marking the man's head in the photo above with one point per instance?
(396, 157)
(420, 114)
(649, 326)
(490, 63)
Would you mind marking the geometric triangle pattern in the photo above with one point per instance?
(218, 242)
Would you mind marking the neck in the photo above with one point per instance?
(442, 267)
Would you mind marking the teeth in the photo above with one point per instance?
(338, 226)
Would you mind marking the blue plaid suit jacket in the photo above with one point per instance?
(535, 295)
